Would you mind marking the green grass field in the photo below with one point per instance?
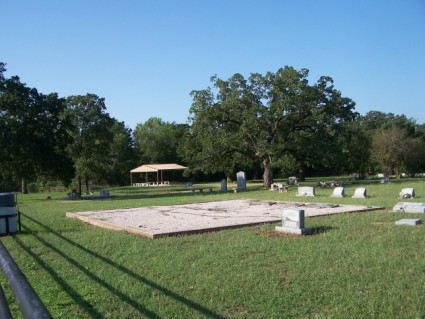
(355, 265)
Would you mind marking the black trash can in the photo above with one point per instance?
(8, 214)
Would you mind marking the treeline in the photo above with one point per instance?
(272, 125)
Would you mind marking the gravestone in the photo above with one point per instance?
(292, 180)
(104, 193)
(277, 187)
(338, 192)
(293, 222)
(408, 222)
(241, 181)
(359, 193)
(223, 185)
(306, 191)
(385, 180)
(407, 193)
(414, 208)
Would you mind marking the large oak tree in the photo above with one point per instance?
(263, 118)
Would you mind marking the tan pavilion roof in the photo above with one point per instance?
(146, 168)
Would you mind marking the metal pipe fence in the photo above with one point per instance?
(27, 299)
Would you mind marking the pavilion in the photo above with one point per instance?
(159, 169)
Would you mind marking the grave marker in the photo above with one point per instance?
(241, 181)
(414, 208)
(408, 222)
(104, 193)
(306, 191)
(407, 193)
(338, 192)
(292, 180)
(360, 193)
(293, 222)
(223, 185)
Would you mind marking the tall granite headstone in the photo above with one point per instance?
(223, 184)
(241, 181)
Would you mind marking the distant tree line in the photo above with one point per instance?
(277, 124)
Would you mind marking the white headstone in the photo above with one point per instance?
(338, 192)
(414, 208)
(407, 193)
(408, 222)
(223, 185)
(241, 180)
(293, 222)
(306, 191)
(360, 193)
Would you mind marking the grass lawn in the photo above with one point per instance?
(356, 266)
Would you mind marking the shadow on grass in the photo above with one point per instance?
(137, 305)
(148, 195)
(151, 193)
(74, 295)
(320, 230)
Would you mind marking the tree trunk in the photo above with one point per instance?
(79, 185)
(24, 186)
(87, 185)
(301, 174)
(268, 172)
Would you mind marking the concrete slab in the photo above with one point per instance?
(159, 221)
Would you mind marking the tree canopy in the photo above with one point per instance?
(33, 133)
(265, 118)
(277, 122)
(91, 135)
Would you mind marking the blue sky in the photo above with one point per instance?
(146, 56)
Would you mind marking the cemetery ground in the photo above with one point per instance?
(355, 265)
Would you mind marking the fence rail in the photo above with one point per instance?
(27, 299)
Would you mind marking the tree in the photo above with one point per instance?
(2, 70)
(356, 144)
(394, 150)
(91, 135)
(376, 120)
(157, 141)
(122, 153)
(32, 132)
(415, 155)
(265, 118)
